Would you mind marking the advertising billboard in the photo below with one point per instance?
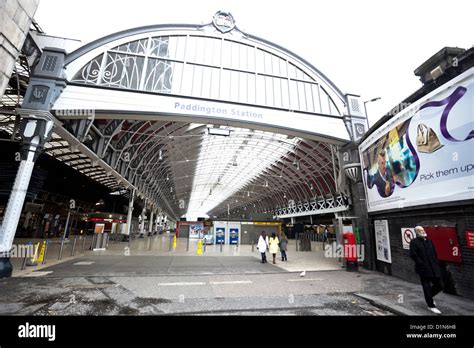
(424, 154)
(233, 236)
(220, 235)
(196, 230)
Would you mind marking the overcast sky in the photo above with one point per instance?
(370, 48)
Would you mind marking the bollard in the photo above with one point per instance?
(45, 253)
(83, 244)
(174, 242)
(34, 260)
(297, 239)
(61, 250)
(221, 246)
(42, 249)
(30, 261)
(199, 248)
(92, 242)
(187, 244)
(73, 246)
(204, 246)
(23, 265)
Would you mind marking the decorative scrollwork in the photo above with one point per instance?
(159, 76)
(122, 71)
(89, 74)
(125, 70)
(225, 68)
(136, 47)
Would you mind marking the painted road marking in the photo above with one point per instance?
(303, 280)
(232, 282)
(182, 283)
(204, 283)
(37, 274)
(80, 263)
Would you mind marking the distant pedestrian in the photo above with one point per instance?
(262, 246)
(273, 246)
(326, 234)
(283, 247)
(423, 252)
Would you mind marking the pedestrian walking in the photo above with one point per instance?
(262, 246)
(326, 234)
(423, 252)
(283, 247)
(273, 246)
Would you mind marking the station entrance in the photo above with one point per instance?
(194, 122)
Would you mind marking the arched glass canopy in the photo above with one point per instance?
(217, 155)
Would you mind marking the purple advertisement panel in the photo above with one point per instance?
(424, 154)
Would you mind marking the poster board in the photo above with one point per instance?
(99, 228)
(382, 241)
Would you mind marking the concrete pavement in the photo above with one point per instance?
(144, 277)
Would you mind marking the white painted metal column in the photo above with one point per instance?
(35, 131)
(130, 211)
(142, 224)
(157, 222)
(150, 225)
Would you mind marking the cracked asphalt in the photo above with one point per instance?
(190, 285)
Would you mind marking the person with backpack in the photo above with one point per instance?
(283, 247)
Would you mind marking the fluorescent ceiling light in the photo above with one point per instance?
(118, 193)
(218, 131)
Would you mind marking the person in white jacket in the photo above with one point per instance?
(262, 246)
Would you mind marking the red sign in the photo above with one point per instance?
(445, 240)
(470, 239)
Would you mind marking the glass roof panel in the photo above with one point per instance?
(239, 161)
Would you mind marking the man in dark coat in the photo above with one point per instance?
(423, 252)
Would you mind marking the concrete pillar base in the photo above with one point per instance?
(6, 267)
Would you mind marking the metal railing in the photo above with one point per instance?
(304, 240)
(32, 260)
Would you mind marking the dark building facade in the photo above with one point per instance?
(445, 211)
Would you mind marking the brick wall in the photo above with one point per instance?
(459, 277)
(15, 21)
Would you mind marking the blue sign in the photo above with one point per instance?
(220, 235)
(234, 236)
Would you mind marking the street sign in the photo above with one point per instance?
(470, 239)
(407, 235)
